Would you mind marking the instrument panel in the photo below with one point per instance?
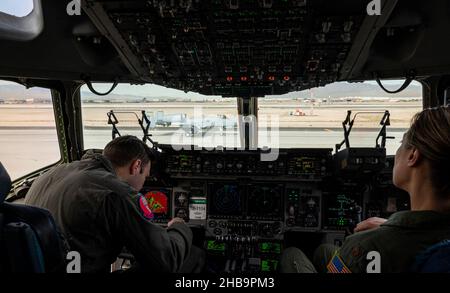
(247, 206)
(307, 164)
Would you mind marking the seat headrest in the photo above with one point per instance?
(5, 183)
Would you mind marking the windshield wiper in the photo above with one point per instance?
(143, 122)
(347, 124)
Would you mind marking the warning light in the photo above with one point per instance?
(229, 78)
(286, 78)
(271, 77)
(244, 78)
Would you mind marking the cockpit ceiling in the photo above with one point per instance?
(234, 47)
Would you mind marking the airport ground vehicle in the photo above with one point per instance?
(244, 209)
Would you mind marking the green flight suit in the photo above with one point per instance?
(398, 241)
(99, 214)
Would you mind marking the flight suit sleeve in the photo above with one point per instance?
(351, 257)
(354, 256)
(155, 248)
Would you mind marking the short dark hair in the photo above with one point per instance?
(430, 134)
(124, 149)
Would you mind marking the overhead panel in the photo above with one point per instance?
(232, 48)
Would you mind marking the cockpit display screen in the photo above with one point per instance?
(270, 247)
(225, 200)
(304, 165)
(185, 161)
(269, 265)
(299, 165)
(215, 246)
(158, 202)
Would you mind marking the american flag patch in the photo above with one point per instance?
(337, 266)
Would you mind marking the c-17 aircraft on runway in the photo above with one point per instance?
(194, 126)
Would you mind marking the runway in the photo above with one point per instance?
(26, 149)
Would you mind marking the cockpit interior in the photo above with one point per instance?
(248, 200)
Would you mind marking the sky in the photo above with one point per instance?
(156, 90)
(16, 7)
(152, 90)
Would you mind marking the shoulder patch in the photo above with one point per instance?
(337, 266)
(144, 208)
(356, 251)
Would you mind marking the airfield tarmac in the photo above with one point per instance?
(28, 138)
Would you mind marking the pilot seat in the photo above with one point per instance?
(29, 239)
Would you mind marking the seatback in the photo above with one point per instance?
(5, 183)
(29, 239)
(435, 259)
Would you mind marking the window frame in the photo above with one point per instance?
(25, 28)
(23, 180)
